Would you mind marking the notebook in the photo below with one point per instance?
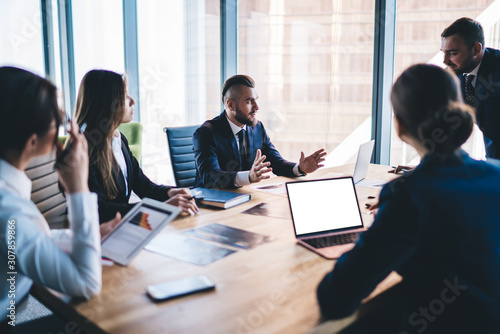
(363, 161)
(323, 210)
(218, 198)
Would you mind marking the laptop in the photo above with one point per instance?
(325, 214)
(363, 161)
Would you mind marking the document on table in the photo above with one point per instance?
(333, 175)
(377, 184)
(229, 236)
(269, 210)
(272, 188)
(186, 249)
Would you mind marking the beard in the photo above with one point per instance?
(463, 69)
(245, 119)
(467, 67)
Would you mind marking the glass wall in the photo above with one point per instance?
(97, 36)
(419, 24)
(312, 62)
(21, 37)
(179, 72)
(313, 66)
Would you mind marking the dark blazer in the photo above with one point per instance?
(136, 180)
(438, 227)
(487, 101)
(217, 156)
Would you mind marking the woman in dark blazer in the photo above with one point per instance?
(437, 226)
(103, 103)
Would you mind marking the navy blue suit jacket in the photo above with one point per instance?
(217, 156)
(487, 101)
(438, 227)
(136, 180)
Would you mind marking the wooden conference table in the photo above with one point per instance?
(268, 289)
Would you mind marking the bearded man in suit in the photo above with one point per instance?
(234, 149)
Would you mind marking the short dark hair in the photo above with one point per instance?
(471, 31)
(28, 104)
(236, 80)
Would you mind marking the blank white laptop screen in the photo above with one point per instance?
(323, 205)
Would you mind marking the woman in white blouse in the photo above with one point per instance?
(63, 260)
(103, 103)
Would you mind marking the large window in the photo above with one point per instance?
(179, 72)
(98, 36)
(418, 39)
(313, 66)
(21, 37)
(312, 62)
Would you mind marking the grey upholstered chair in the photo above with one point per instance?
(45, 191)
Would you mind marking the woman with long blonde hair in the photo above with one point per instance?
(104, 103)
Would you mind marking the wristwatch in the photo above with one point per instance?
(300, 170)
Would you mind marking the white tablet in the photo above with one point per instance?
(135, 230)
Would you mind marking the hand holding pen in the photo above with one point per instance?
(400, 168)
(183, 198)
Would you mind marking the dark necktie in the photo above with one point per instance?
(242, 141)
(469, 89)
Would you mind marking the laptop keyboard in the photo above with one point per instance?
(332, 240)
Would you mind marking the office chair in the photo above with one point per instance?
(45, 191)
(133, 132)
(63, 139)
(180, 144)
(44, 311)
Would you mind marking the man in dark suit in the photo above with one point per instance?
(233, 149)
(478, 69)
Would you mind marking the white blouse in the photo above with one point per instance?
(63, 260)
(117, 150)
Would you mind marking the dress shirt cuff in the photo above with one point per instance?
(82, 214)
(296, 171)
(242, 179)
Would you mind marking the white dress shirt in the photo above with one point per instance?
(243, 177)
(120, 158)
(474, 73)
(63, 260)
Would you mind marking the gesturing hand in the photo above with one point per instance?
(312, 162)
(259, 168)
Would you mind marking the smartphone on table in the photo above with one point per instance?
(181, 287)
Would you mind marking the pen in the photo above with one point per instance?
(83, 127)
(195, 195)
